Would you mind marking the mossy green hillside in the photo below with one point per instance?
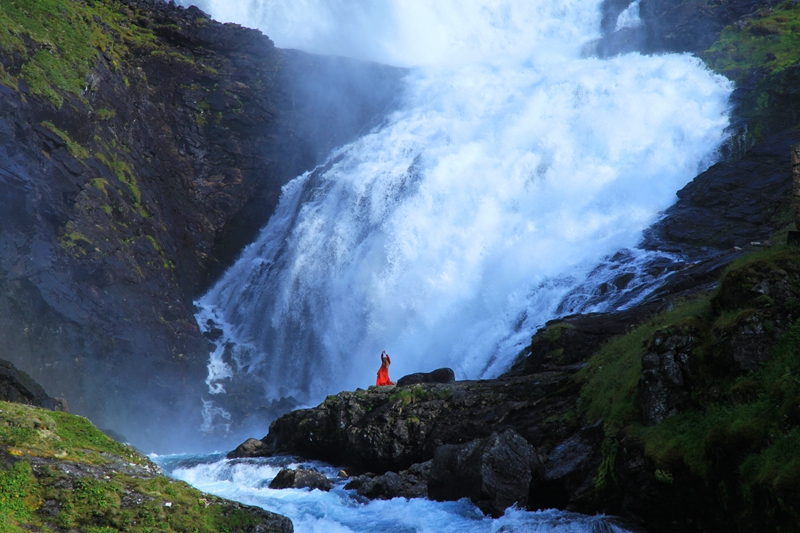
(740, 435)
(60, 41)
(59, 473)
(762, 51)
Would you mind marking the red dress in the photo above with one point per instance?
(383, 374)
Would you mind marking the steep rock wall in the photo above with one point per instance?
(141, 146)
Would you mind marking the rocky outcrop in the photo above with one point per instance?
(410, 483)
(664, 383)
(133, 168)
(725, 206)
(300, 478)
(17, 386)
(440, 375)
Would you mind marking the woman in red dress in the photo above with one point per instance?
(383, 371)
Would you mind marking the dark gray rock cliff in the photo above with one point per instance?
(120, 203)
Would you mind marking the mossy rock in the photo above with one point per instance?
(60, 473)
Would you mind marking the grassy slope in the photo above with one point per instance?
(40, 451)
(58, 42)
(740, 436)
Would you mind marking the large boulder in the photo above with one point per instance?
(495, 472)
(440, 375)
(302, 478)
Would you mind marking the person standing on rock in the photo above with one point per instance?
(383, 371)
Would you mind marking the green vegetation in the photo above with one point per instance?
(418, 393)
(106, 496)
(30, 431)
(60, 42)
(766, 48)
(125, 175)
(75, 150)
(106, 114)
(72, 238)
(610, 379)
(740, 434)
(17, 499)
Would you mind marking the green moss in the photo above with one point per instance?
(766, 48)
(75, 150)
(106, 114)
(60, 40)
(125, 175)
(418, 393)
(72, 238)
(554, 332)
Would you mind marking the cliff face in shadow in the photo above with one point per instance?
(141, 146)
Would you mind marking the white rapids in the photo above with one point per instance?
(343, 511)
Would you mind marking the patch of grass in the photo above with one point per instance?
(55, 434)
(125, 175)
(18, 499)
(60, 41)
(739, 436)
(75, 150)
(106, 114)
(95, 500)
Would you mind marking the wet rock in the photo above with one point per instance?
(302, 478)
(411, 483)
(495, 473)
(250, 448)
(440, 375)
(568, 471)
(725, 207)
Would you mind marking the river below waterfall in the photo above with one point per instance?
(343, 511)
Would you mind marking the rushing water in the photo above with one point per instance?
(341, 511)
(479, 210)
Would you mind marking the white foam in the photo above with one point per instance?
(314, 511)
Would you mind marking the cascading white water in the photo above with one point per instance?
(513, 167)
(341, 511)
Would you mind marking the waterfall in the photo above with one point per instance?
(480, 209)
